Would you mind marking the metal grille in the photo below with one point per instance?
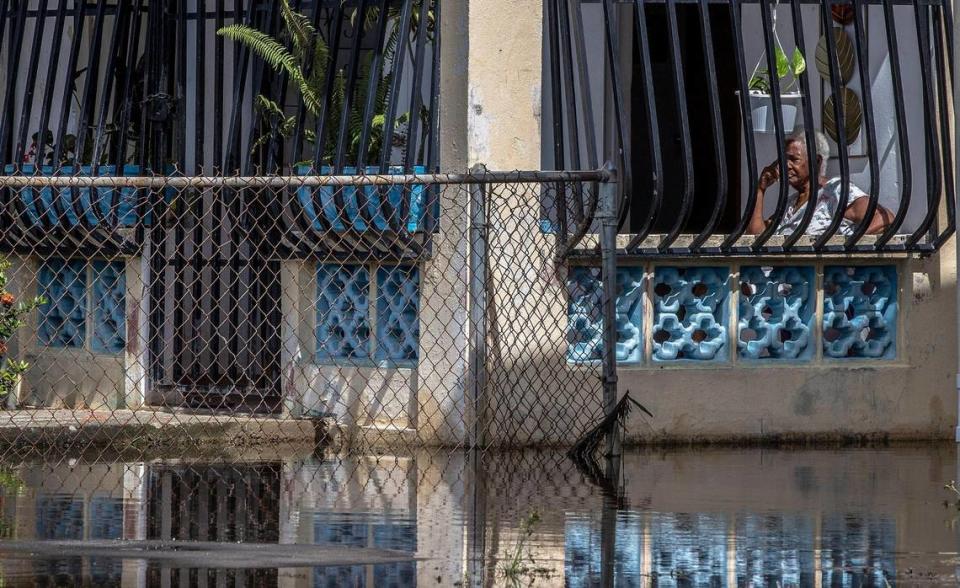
(213, 313)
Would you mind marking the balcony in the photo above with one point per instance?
(676, 93)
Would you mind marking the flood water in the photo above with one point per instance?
(709, 517)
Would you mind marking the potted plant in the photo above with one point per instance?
(759, 86)
(12, 318)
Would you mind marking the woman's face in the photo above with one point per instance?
(798, 170)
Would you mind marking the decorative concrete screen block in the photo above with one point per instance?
(63, 319)
(398, 313)
(776, 313)
(109, 310)
(860, 312)
(585, 314)
(343, 312)
(690, 313)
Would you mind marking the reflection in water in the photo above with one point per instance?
(697, 518)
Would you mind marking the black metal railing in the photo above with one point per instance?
(676, 77)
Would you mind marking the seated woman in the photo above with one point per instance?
(828, 195)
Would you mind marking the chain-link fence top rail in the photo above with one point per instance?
(255, 315)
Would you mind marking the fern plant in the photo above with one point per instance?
(303, 55)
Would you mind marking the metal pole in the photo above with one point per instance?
(477, 304)
(607, 215)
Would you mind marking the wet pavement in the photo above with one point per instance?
(707, 517)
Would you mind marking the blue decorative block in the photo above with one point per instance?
(398, 313)
(320, 203)
(343, 323)
(585, 314)
(62, 320)
(860, 312)
(690, 313)
(109, 308)
(776, 313)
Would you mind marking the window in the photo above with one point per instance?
(85, 306)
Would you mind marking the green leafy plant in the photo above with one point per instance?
(792, 66)
(12, 317)
(303, 55)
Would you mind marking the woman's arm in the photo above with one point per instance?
(882, 218)
(768, 177)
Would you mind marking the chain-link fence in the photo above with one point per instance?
(229, 314)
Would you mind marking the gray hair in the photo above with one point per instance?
(823, 146)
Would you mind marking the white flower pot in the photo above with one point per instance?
(762, 112)
(13, 398)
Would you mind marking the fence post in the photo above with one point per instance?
(477, 305)
(607, 215)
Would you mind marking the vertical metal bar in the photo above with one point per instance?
(180, 268)
(686, 161)
(809, 132)
(944, 65)
(653, 124)
(240, 67)
(749, 144)
(863, 64)
(298, 133)
(201, 273)
(768, 48)
(200, 87)
(433, 154)
(360, 17)
(478, 311)
(713, 96)
(416, 100)
(336, 27)
(218, 65)
(834, 67)
(607, 216)
(565, 55)
(90, 90)
(117, 36)
(373, 83)
(559, 152)
(13, 65)
(934, 177)
(30, 83)
(394, 97)
(4, 8)
(51, 84)
(619, 110)
(903, 141)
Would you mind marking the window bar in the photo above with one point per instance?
(713, 95)
(267, 16)
(653, 122)
(934, 178)
(863, 64)
(180, 266)
(433, 154)
(747, 116)
(31, 82)
(216, 195)
(118, 37)
(809, 132)
(944, 63)
(569, 104)
(353, 72)
(553, 16)
(416, 101)
(4, 9)
(768, 49)
(298, 133)
(834, 66)
(373, 83)
(686, 161)
(201, 304)
(87, 102)
(240, 65)
(620, 122)
(122, 110)
(903, 143)
(586, 104)
(336, 28)
(51, 84)
(218, 65)
(6, 121)
(393, 101)
(157, 266)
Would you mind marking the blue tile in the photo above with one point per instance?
(775, 319)
(860, 312)
(585, 314)
(398, 313)
(343, 323)
(690, 314)
(62, 320)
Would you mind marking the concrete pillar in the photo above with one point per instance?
(291, 352)
(136, 353)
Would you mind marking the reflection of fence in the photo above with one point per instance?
(258, 302)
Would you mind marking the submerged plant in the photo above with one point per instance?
(521, 564)
(12, 317)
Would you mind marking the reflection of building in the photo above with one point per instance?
(749, 549)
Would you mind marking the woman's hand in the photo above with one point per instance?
(769, 176)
